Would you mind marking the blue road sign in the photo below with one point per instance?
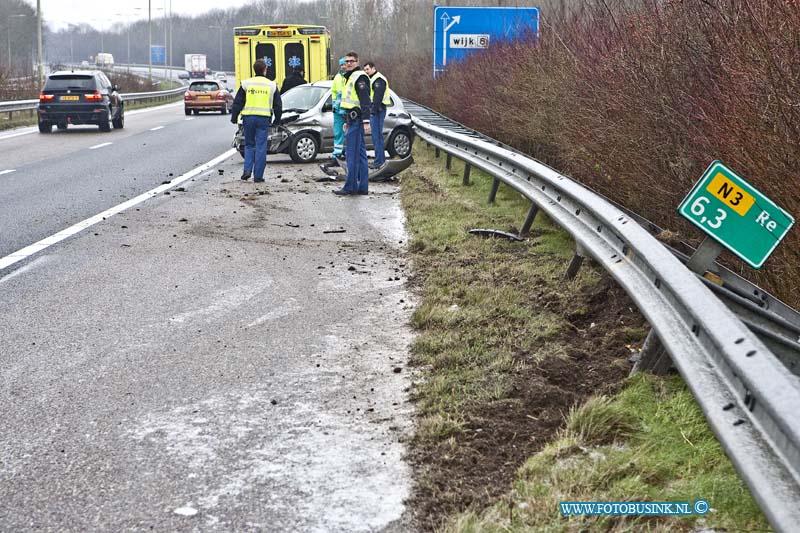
(459, 31)
(158, 54)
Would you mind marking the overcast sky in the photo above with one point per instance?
(103, 14)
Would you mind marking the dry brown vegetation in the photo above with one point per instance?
(635, 99)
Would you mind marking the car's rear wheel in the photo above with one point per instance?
(399, 144)
(119, 122)
(45, 127)
(224, 110)
(61, 126)
(105, 122)
(304, 148)
(196, 111)
(187, 111)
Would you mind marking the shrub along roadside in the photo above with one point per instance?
(506, 348)
(635, 99)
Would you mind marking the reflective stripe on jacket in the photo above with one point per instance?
(386, 98)
(337, 88)
(259, 93)
(349, 95)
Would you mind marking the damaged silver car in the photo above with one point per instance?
(306, 127)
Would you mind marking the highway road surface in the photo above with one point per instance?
(205, 354)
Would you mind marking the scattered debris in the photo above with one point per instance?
(496, 233)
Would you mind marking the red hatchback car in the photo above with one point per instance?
(207, 95)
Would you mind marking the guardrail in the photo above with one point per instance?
(749, 397)
(15, 106)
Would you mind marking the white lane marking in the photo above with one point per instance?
(151, 109)
(7, 171)
(99, 146)
(28, 251)
(39, 261)
(190, 118)
(24, 132)
(157, 128)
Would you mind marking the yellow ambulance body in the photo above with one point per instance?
(283, 47)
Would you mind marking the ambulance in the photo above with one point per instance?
(283, 47)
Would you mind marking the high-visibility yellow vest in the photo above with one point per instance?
(337, 87)
(386, 98)
(259, 92)
(349, 95)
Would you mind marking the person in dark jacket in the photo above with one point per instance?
(259, 102)
(380, 99)
(293, 80)
(356, 104)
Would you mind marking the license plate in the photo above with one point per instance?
(204, 97)
(279, 33)
(70, 98)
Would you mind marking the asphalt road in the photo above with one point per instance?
(228, 356)
(52, 181)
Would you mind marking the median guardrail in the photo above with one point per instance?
(31, 105)
(749, 396)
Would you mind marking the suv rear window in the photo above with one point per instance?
(64, 82)
(204, 86)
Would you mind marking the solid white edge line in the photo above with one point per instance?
(99, 146)
(36, 247)
(7, 171)
(18, 134)
(157, 128)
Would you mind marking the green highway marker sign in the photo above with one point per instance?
(736, 214)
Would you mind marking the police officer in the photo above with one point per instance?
(356, 102)
(257, 100)
(338, 113)
(379, 94)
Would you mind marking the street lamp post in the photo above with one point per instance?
(39, 40)
(150, 40)
(219, 28)
(8, 34)
(128, 31)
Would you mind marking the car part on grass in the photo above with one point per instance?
(496, 233)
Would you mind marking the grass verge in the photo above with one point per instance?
(523, 397)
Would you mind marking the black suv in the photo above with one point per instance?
(80, 97)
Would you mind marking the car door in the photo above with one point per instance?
(326, 123)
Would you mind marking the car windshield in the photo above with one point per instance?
(303, 97)
(205, 86)
(70, 82)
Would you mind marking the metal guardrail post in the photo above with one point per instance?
(526, 226)
(449, 162)
(493, 191)
(575, 263)
(467, 169)
(653, 358)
